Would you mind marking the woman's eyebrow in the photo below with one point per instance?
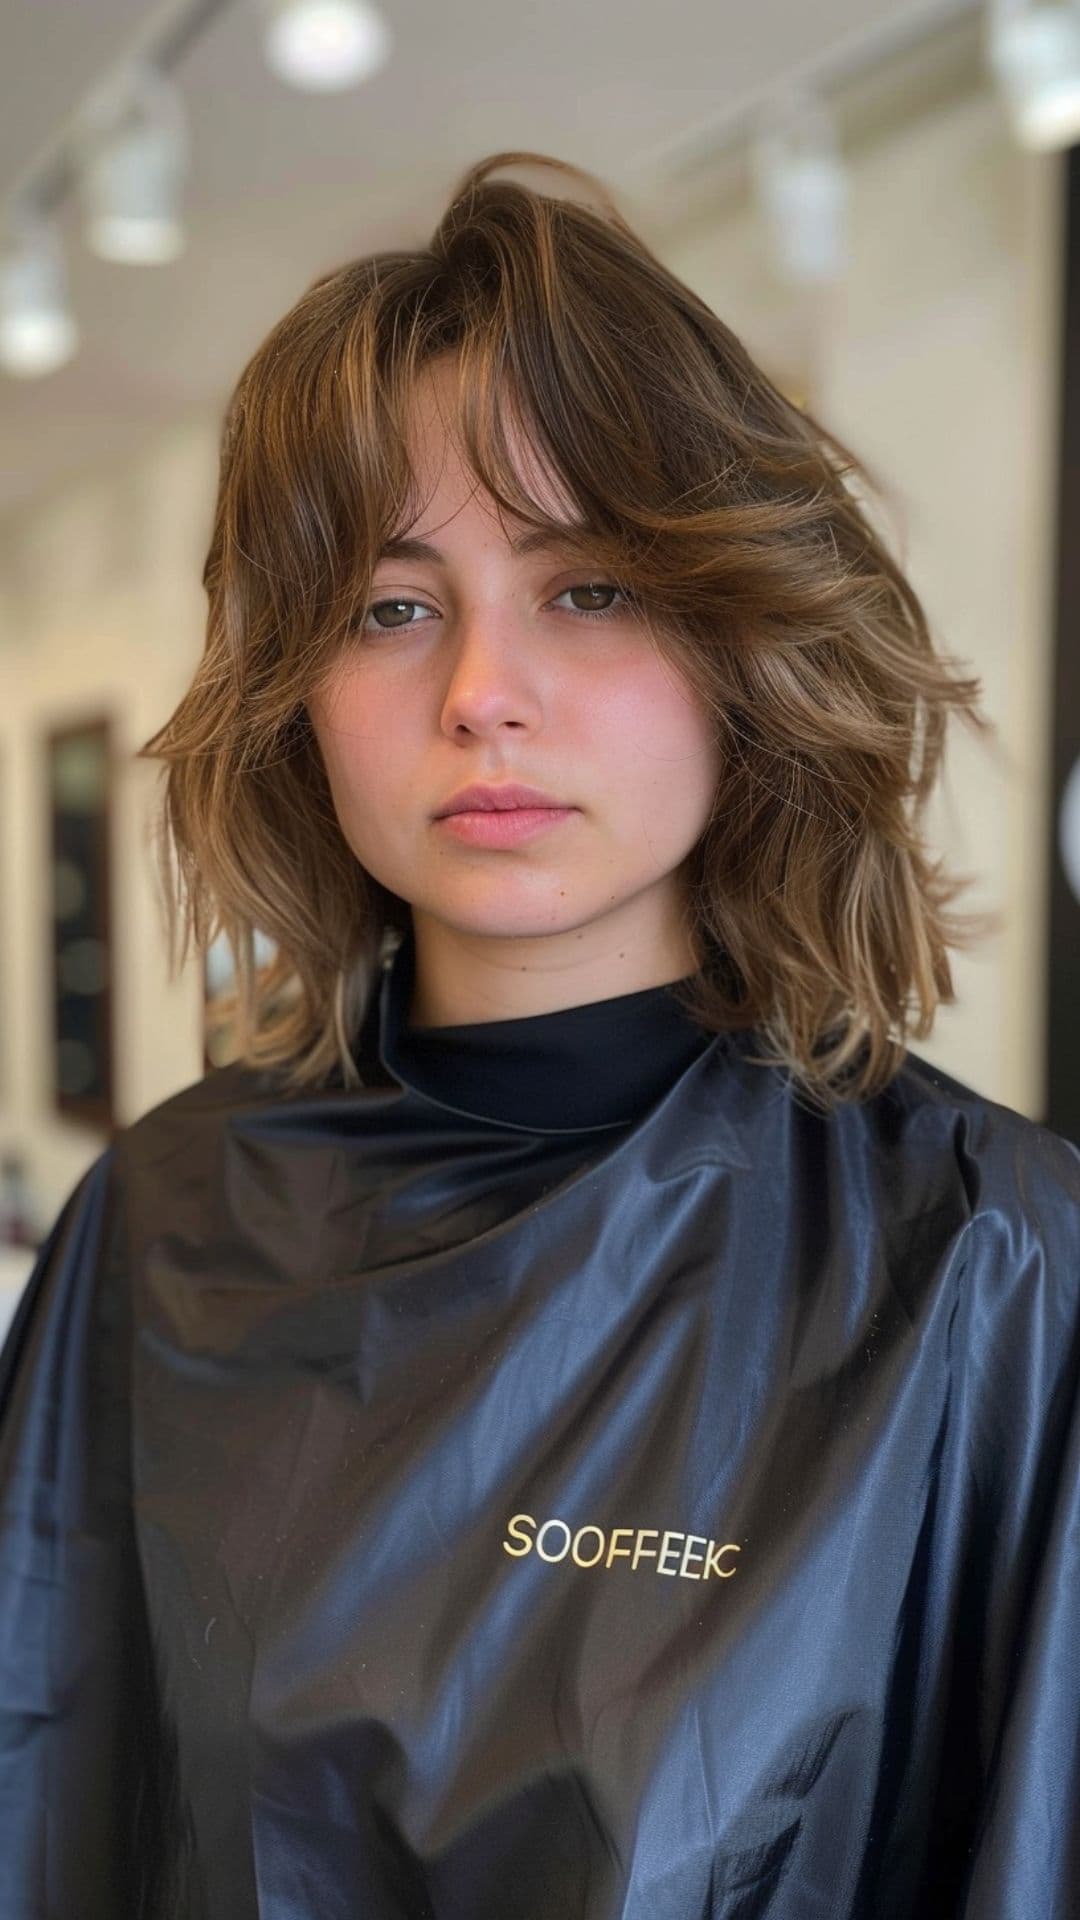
(534, 540)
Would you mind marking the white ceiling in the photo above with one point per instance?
(285, 185)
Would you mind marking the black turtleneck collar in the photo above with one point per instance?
(599, 1065)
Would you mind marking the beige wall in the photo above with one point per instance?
(101, 609)
(936, 360)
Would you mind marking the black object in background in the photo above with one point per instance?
(79, 794)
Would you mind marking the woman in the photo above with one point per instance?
(577, 1420)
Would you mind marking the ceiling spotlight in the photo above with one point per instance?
(132, 150)
(802, 188)
(1034, 54)
(37, 330)
(325, 45)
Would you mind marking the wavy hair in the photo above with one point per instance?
(816, 912)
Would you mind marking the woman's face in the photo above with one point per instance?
(477, 662)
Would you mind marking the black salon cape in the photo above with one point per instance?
(410, 1514)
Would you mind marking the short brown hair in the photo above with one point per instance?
(817, 913)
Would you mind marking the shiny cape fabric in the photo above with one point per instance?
(409, 1516)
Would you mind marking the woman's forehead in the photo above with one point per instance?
(439, 459)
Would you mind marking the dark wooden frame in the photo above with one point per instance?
(94, 1109)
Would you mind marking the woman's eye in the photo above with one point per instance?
(397, 612)
(591, 599)
(609, 600)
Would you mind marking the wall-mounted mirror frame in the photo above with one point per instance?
(79, 787)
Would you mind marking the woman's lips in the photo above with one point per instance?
(504, 828)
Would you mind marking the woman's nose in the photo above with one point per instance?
(491, 680)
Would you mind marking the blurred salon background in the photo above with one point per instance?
(881, 197)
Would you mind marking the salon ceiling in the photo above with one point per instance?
(284, 185)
